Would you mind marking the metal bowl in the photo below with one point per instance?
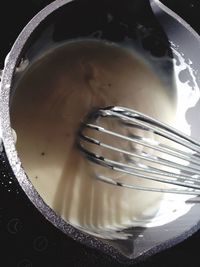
(64, 20)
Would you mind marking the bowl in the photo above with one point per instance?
(165, 45)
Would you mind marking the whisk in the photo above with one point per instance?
(142, 147)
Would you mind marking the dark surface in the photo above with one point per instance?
(27, 239)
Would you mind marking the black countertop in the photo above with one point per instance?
(26, 238)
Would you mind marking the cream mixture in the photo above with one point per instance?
(51, 100)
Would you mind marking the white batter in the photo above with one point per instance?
(52, 98)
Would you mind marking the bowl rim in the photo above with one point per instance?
(16, 165)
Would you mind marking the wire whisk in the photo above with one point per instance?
(129, 143)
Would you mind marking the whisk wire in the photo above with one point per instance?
(184, 175)
(158, 147)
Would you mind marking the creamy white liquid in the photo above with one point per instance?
(53, 98)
